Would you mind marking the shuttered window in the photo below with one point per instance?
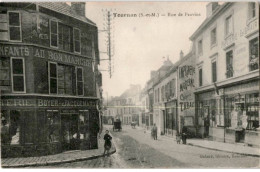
(200, 77)
(214, 71)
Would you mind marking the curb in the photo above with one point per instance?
(253, 155)
(56, 162)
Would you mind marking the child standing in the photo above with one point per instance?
(107, 145)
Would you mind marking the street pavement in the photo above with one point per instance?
(136, 149)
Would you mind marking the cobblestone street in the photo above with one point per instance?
(135, 149)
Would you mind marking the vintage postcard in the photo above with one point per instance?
(113, 84)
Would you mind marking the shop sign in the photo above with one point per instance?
(14, 51)
(186, 87)
(61, 57)
(46, 103)
(242, 88)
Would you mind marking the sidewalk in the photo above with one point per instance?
(218, 146)
(64, 157)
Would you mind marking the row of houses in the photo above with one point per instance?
(213, 90)
(50, 84)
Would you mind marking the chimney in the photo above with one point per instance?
(181, 54)
(79, 8)
(211, 7)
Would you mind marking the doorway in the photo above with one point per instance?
(70, 131)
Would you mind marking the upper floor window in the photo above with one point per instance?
(200, 48)
(214, 71)
(54, 33)
(200, 76)
(64, 37)
(252, 10)
(229, 25)
(80, 83)
(65, 79)
(15, 32)
(254, 54)
(229, 64)
(18, 77)
(213, 36)
(76, 36)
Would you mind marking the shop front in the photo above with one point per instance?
(232, 115)
(40, 125)
(171, 118)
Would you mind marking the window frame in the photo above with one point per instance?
(62, 25)
(231, 31)
(212, 44)
(57, 23)
(232, 63)
(74, 28)
(216, 73)
(12, 75)
(249, 17)
(200, 83)
(49, 78)
(249, 59)
(79, 67)
(20, 20)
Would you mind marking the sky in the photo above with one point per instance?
(140, 43)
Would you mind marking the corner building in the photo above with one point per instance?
(227, 69)
(49, 79)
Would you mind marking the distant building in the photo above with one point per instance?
(227, 69)
(49, 79)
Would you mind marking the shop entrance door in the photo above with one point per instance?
(70, 131)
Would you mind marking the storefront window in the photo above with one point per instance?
(5, 135)
(29, 126)
(15, 26)
(15, 127)
(42, 126)
(252, 110)
(18, 75)
(254, 54)
(4, 71)
(53, 122)
(84, 124)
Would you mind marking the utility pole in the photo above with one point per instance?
(109, 41)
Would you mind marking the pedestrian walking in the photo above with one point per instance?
(107, 145)
(154, 130)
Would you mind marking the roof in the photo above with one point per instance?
(65, 9)
(174, 68)
(219, 10)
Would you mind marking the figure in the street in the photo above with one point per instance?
(178, 138)
(184, 135)
(154, 132)
(107, 145)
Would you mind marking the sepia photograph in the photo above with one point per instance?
(129, 84)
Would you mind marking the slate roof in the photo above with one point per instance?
(63, 8)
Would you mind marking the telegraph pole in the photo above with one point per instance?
(110, 45)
